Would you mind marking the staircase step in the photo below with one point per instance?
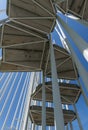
(38, 15)
(70, 93)
(36, 114)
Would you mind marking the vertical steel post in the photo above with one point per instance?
(78, 118)
(79, 42)
(27, 101)
(67, 127)
(83, 46)
(33, 126)
(58, 114)
(43, 104)
(75, 60)
(71, 126)
(83, 93)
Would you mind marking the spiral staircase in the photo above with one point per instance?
(27, 47)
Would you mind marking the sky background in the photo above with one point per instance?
(81, 106)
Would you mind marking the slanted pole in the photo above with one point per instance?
(78, 118)
(33, 126)
(67, 127)
(71, 126)
(77, 62)
(43, 103)
(79, 42)
(59, 1)
(58, 114)
(83, 93)
(83, 47)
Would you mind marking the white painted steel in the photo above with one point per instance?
(20, 117)
(19, 100)
(71, 126)
(12, 102)
(43, 103)
(78, 118)
(4, 105)
(58, 114)
(79, 42)
(27, 101)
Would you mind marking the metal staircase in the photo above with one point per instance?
(69, 94)
(27, 47)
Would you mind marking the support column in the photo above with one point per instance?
(78, 118)
(79, 42)
(27, 102)
(71, 126)
(81, 69)
(27, 124)
(78, 64)
(67, 127)
(33, 126)
(58, 114)
(43, 103)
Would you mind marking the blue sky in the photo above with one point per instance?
(3, 7)
(81, 106)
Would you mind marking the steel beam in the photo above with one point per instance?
(28, 99)
(79, 42)
(67, 127)
(71, 126)
(83, 73)
(62, 35)
(83, 93)
(43, 104)
(78, 118)
(58, 114)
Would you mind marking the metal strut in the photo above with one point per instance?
(58, 114)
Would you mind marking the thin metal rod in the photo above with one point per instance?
(78, 118)
(27, 102)
(7, 115)
(33, 126)
(33, 18)
(83, 93)
(58, 114)
(35, 83)
(59, 32)
(2, 76)
(43, 103)
(4, 105)
(19, 100)
(71, 126)
(20, 116)
(25, 30)
(67, 127)
(37, 3)
(31, 27)
(4, 84)
(3, 21)
(7, 83)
